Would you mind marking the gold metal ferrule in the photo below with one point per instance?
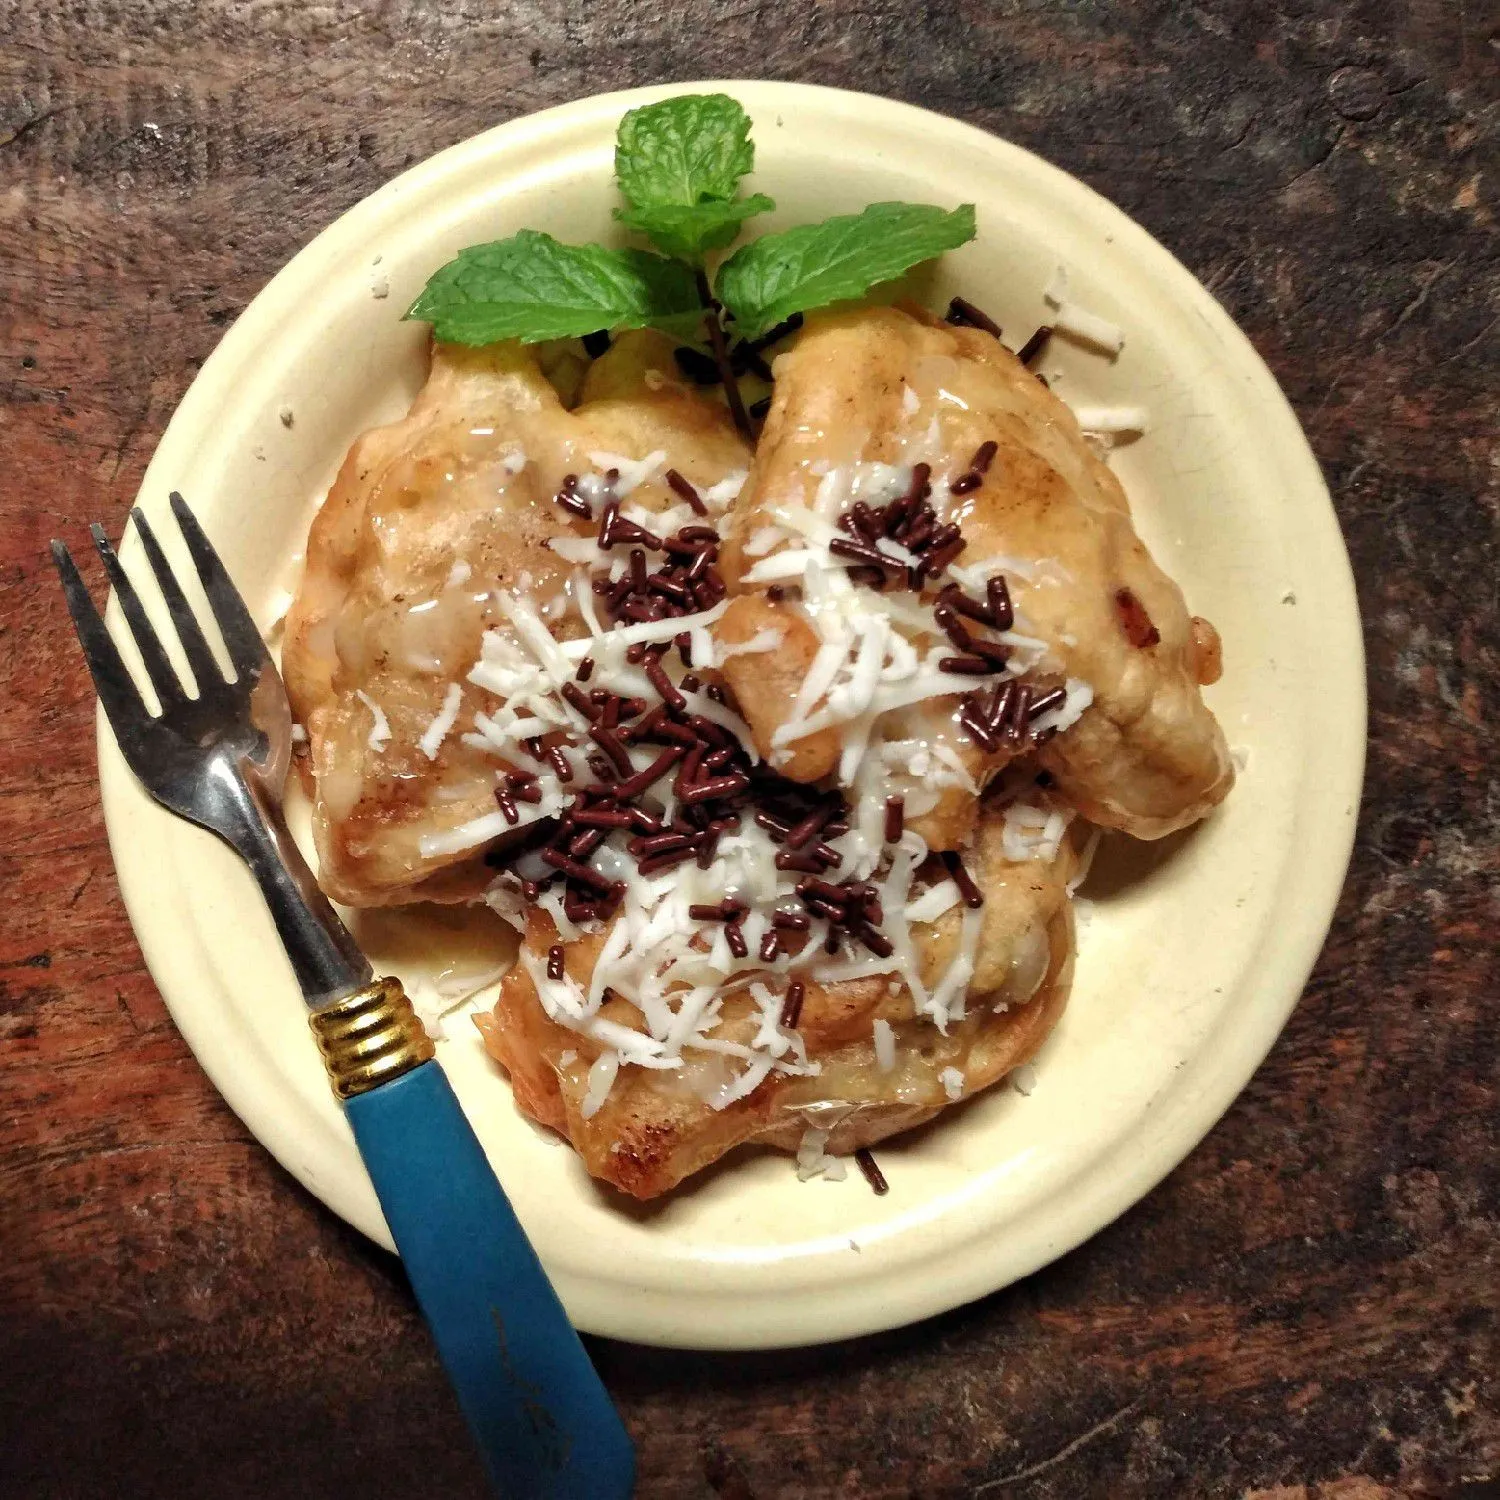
(370, 1037)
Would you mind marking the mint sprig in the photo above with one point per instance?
(689, 230)
(531, 287)
(765, 282)
(680, 164)
(691, 149)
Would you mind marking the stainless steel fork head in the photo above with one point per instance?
(217, 756)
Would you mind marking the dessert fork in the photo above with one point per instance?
(535, 1405)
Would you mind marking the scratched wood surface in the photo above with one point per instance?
(1307, 1307)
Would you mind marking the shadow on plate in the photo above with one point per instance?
(1123, 863)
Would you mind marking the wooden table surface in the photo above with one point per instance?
(1307, 1307)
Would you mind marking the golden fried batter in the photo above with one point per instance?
(655, 1128)
(465, 481)
(438, 524)
(884, 386)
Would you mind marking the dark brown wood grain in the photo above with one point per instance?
(1306, 1309)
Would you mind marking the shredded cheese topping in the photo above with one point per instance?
(698, 995)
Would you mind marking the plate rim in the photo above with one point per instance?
(1170, 1134)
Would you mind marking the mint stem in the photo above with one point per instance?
(720, 347)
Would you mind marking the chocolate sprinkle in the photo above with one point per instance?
(806, 863)
(973, 896)
(966, 666)
(555, 961)
(800, 833)
(962, 312)
(571, 501)
(976, 728)
(1034, 345)
(953, 596)
(1013, 726)
(997, 597)
(895, 814)
(1052, 698)
(609, 742)
(873, 1175)
(791, 1009)
(575, 697)
(583, 874)
(686, 491)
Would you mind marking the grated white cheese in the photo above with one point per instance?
(1031, 832)
(840, 973)
(814, 1161)
(487, 826)
(442, 722)
(380, 729)
(953, 1083)
(579, 549)
(946, 1004)
(762, 539)
(648, 631)
(933, 902)
(633, 472)
(1073, 319)
(458, 575)
(717, 496)
(1023, 1079)
(1088, 328)
(602, 1075)
(876, 654)
(767, 639)
(1111, 420)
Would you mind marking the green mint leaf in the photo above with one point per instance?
(687, 230)
(765, 282)
(687, 150)
(531, 288)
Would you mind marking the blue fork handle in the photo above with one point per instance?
(538, 1410)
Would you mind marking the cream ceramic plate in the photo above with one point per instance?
(1196, 951)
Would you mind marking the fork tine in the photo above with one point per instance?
(246, 648)
(122, 703)
(158, 668)
(195, 647)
